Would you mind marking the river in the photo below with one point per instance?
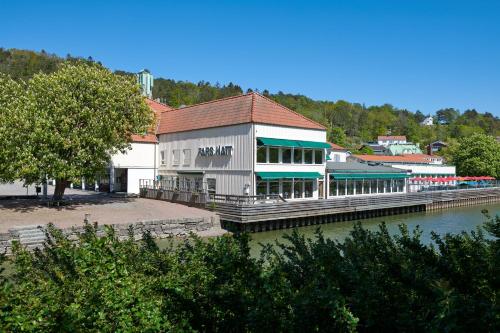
(453, 220)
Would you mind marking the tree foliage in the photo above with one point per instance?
(371, 282)
(476, 155)
(65, 124)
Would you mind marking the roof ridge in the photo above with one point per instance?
(208, 102)
(252, 107)
(152, 100)
(295, 112)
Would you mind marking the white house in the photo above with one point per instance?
(140, 162)
(242, 145)
(336, 153)
(386, 140)
(428, 121)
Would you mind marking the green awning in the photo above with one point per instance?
(328, 158)
(291, 143)
(288, 175)
(342, 176)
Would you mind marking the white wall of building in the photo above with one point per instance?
(142, 155)
(338, 156)
(428, 169)
(133, 177)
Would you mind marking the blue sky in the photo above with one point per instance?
(420, 55)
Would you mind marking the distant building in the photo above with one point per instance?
(403, 149)
(146, 80)
(385, 140)
(336, 153)
(377, 149)
(428, 121)
(435, 147)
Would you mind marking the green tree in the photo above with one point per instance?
(477, 155)
(68, 123)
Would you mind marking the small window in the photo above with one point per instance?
(336, 157)
(162, 158)
(297, 156)
(308, 156)
(261, 188)
(177, 157)
(274, 155)
(318, 157)
(286, 155)
(187, 157)
(261, 154)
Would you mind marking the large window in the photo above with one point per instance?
(297, 156)
(308, 188)
(308, 156)
(286, 155)
(350, 187)
(274, 154)
(287, 189)
(341, 186)
(261, 154)
(318, 156)
(401, 185)
(262, 188)
(381, 186)
(373, 186)
(298, 188)
(333, 187)
(358, 185)
(274, 187)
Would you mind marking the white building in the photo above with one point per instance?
(146, 81)
(242, 145)
(428, 121)
(336, 153)
(418, 165)
(386, 140)
(140, 162)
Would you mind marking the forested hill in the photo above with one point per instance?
(349, 123)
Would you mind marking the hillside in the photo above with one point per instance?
(349, 123)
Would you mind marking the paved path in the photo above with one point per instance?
(103, 208)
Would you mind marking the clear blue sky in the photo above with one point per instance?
(421, 55)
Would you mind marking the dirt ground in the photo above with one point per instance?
(103, 208)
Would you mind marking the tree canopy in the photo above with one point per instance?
(66, 124)
(476, 155)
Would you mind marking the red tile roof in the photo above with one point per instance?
(391, 137)
(336, 147)
(407, 158)
(242, 109)
(158, 108)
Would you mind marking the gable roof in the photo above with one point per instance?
(391, 137)
(410, 158)
(336, 146)
(242, 109)
(157, 108)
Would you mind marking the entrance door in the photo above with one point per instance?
(321, 189)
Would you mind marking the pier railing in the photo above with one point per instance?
(243, 213)
(245, 199)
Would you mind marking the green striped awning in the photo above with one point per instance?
(342, 176)
(291, 143)
(288, 175)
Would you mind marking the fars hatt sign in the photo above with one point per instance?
(216, 151)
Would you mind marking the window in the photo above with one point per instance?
(162, 158)
(177, 156)
(262, 188)
(350, 187)
(297, 156)
(308, 156)
(287, 189)
(286, 155)
(261, 154)
(358, 184)
(298, 189)
(394, 184)
(211, 185)
(336, 157)
(318, 157)
(381, 186)
(274, 155)
(401, 184)
(341, 187)
(373, 186)
(308, 188)
(333, 186)
(274, 187)
(187, 157)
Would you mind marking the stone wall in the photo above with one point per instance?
(33, 236)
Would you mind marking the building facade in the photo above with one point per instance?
(242, 145)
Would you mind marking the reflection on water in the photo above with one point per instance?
(442, 222)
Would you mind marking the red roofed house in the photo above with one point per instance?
(386, 140)
(242, 145)
(336, 153)
(140, 162)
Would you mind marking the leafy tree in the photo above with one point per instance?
(68, 123)
(477, 155)
(447, 116)
(337, 136)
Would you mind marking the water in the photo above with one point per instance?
(453, 220)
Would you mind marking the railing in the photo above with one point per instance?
(245, 199)
(431, 188)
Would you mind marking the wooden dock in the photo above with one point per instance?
(279, 215)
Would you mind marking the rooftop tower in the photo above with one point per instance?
(145, 79)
